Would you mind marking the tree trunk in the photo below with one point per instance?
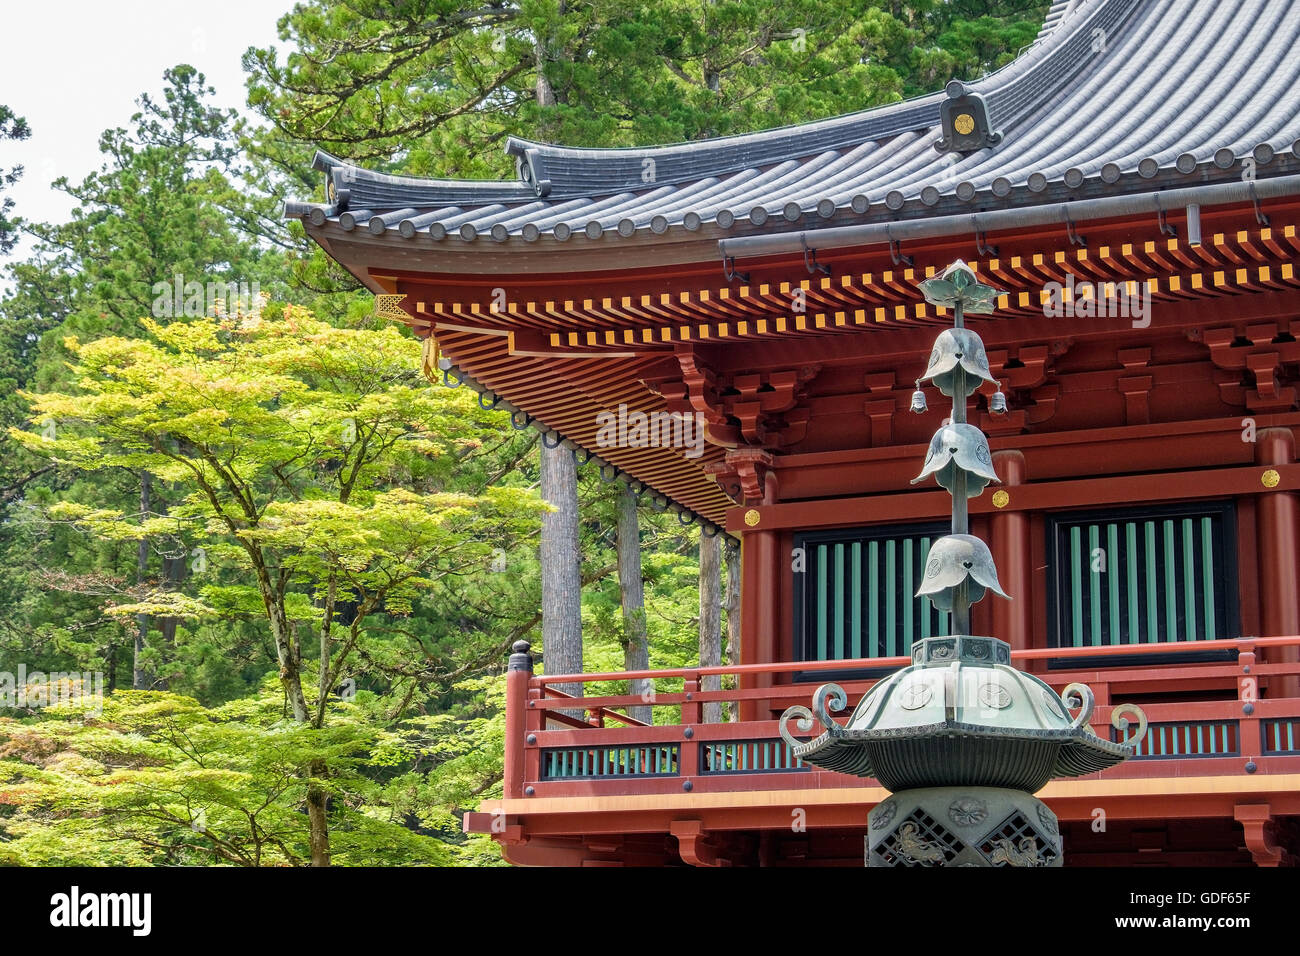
(173, 574)
(138, 676)
(317, 799)
(288, 653)
(636, 649)
(545, 95)
(561, 568)
(733, 614)
(711, 620)
(285, 650)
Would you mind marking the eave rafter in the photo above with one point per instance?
(1171, 269)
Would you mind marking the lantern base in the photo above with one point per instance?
(963, 826)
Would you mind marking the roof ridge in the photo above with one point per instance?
(1037, 74)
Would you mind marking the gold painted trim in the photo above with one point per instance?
(1056, 790)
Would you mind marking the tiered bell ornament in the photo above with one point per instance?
(961, 737)
(956, 347)
(956, 558)
(959, 446)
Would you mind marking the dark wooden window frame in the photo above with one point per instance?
(1058, 568)
(803, 627)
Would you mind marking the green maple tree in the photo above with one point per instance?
(296, 445)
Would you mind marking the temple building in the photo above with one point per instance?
(1132, 182)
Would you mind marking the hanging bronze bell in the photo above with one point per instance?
(918, 400)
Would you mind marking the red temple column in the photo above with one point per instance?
(759, 590)
(1279, 564)
(1011, 550)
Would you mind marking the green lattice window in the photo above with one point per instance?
(853, 592)
(1143, 576)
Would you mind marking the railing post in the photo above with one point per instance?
(519, 672)
(691, 711)
(1249, 740)
(692, 714)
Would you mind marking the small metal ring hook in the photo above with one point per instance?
(730, 272)
(896, 249)
(814, 266)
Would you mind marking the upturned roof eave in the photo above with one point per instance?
(361, 250)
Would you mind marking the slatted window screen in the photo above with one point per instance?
(1143, 576)
(748, 756)
(570, 763)
(854, 596)
(1281, 735)
(1193, 738)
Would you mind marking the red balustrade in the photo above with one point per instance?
(1208, 718)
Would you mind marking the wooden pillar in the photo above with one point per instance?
(518, 673)
(759, 593)
(1012, 549)
(1279, 564)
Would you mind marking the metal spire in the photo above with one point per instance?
(959, 366)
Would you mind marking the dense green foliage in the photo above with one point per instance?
(11, 127)
(297, 565)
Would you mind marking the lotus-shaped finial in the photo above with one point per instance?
(958, 284)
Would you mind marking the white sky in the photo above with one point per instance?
(74, 68)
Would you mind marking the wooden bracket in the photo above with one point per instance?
(757, 410)
(1260, 352)
(1023, 373)
(695, 844)
(1256, 820)
(747, 471)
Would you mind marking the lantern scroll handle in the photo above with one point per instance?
(805, 723)
(828, 699)
(1078, 695)
(1120, 720)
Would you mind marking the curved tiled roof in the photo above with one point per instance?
(1114, 96)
